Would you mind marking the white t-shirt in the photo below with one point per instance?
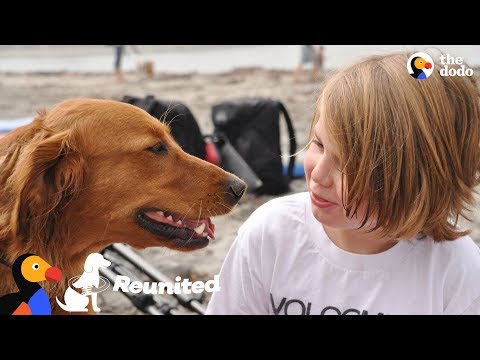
(282, 262)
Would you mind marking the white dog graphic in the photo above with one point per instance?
(75, 302)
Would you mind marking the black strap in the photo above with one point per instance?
(293, 142)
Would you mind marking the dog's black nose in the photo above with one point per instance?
(237, 188)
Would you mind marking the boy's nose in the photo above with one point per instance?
(322, 174)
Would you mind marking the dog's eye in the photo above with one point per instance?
(35, 266)
(159, 148)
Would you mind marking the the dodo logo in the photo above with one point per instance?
(420, 65)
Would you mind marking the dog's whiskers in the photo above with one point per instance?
(164, 116)
(185, 216)
(200, 211)
(165, 250)
(222, 203)
(229, 208)
(106, 227)
(218, 195)
(172, 230)
(190, 238)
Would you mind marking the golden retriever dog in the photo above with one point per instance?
(93, 172)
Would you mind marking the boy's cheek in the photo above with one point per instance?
(308, 163)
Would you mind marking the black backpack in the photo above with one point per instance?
(252, 125)
(183, 125)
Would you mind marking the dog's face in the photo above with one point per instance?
(100, 171)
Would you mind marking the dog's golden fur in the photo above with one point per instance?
(73, 181)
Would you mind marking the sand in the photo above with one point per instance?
(22, 94)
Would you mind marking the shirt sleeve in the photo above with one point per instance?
(241, 289)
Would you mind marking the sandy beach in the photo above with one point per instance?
(21, 95)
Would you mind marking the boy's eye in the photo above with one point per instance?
(318, 143)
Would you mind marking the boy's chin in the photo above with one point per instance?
(328, 218)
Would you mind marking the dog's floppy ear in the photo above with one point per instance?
(48, 174)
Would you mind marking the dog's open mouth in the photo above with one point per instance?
(186, 233)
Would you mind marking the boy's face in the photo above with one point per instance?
(324, 181)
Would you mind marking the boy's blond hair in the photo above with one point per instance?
(409, 148)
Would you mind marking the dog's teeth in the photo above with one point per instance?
(160, 213)
(179, 223)
(169, 217)
(200, 228)
(204, 234)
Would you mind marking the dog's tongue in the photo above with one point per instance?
(194, 224)
(209, 226)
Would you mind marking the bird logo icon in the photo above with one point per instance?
(31, 299)
(420, 65)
